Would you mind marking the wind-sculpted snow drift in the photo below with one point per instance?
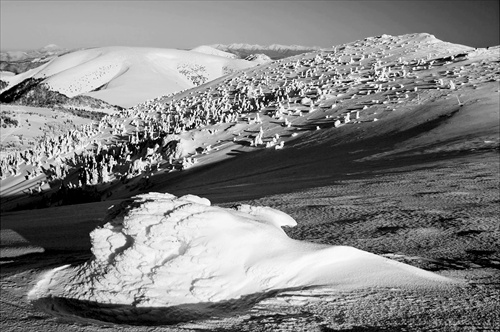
(158, 250)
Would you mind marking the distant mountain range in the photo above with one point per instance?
(275, 51)
(20, 61)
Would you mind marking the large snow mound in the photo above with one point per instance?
(160, 250)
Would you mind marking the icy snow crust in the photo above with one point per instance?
(159, 250)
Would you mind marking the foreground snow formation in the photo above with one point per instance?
(159, 250)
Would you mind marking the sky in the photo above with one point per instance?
(186, 24)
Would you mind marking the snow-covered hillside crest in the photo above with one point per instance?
(260, 58)
(126, 76)
(213, 51)
(160, 250)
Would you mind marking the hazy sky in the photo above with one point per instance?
(187, 24)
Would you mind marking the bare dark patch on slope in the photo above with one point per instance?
(33, 92)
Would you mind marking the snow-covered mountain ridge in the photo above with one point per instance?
(404, 90)
(126, 76)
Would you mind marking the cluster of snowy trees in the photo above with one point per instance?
(145, 137)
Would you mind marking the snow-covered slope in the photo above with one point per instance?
(259, 58)
(126, 76)
(255, 57)
(6, 73)
(401, 95)
(213, 51)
